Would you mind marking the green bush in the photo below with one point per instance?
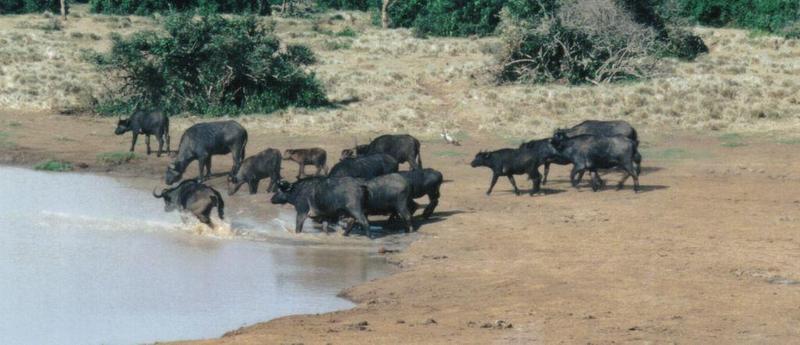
(209, 65)
(767, 15)
(361, 5)
(145, 7)
(301, 54)
(29, 6)
(596, 41)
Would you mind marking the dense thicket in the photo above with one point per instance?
(145, 7)
(28, 6)
(767, 15)
(595, 41)
(361, 5)
(209, 65)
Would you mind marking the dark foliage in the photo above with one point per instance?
(29, 6)
(209, 65)
(145, 7)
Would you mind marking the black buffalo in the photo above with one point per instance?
(366, 167)
(313, 156)
(424, 182)
(147, 123)
(203, 140)
(193, 197)
(603, 128)
(389, 195)
(591, 152)
(547, 154)
(510, 162)
(329, 198)
(401, 147)
(265, 164)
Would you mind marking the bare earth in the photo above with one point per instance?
(705, 254)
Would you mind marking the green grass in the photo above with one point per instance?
(673, 154)
(347, 32)
(115, 158)
(448, 153)
(53, 165)
(5, 142)
(732, 140)
(788, 141)
(337, 44)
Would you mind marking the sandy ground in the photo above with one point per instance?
(705, 254)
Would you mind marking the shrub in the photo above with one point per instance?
(54, 165)
(145, 7)
(767, 15)
(28, 6)
(361, 5)
(596, 41)
(209, 65)
(300, 54)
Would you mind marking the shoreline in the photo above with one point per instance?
(705, 239)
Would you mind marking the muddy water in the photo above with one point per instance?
(88, 260)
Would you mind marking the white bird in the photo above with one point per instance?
(449, 139)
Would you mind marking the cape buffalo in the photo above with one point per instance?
(591, 152)
(424, 182)
(314, 156)
(147, 123)
(603, 128)
(193, 197)
(265, 164)
(547, 154)
(203, 140)
(401, 147)
(328, 198)
(389, 194)
(367, 167)
(510, 162)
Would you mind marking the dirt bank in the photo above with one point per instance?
(705, 254)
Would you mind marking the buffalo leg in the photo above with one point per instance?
(204, 217)
(403, 213)
(147, 143)
(537, 181)
(621, 183)
(298, 224)
(201, 164)
(319, 170)
(167, 140)
(491, 185)
(302, 171)
(253, 186)
(631, 170)
(546, 172)
(513, 184)
(271, 186)
(208, 167)
(324, 169)
(575, 171)
(595, 180)
(160, 139)
(133, 140)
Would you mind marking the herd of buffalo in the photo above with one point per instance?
(366, 180)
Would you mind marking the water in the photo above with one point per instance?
(87, 260)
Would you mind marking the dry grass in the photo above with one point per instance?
(388, 80)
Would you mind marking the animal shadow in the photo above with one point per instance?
(385, 227)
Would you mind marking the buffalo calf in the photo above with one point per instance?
(313, 156)
(510, 162)
(265, 164)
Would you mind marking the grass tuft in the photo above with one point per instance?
(116, 158)
(54, 165)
